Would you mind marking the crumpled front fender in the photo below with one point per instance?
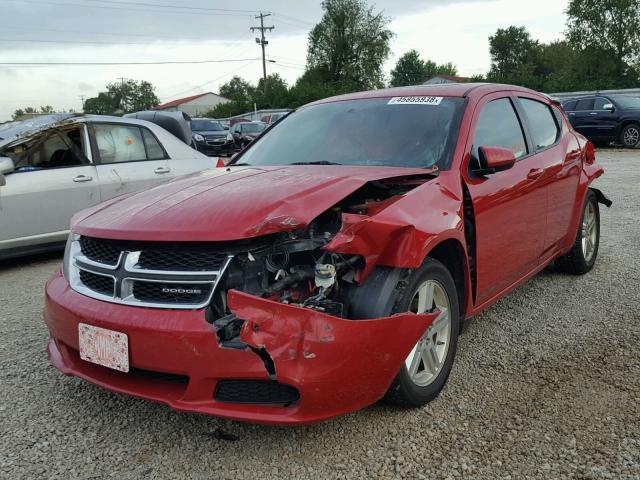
(338, 365)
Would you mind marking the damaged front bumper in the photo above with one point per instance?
(328, 365)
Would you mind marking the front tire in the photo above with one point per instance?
(427, 367)
(582, 256)
(630, 136)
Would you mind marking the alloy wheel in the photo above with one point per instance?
(631, 137)
(426, 359)
(589, 232)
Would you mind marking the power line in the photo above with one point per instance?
(83, 42)
(177, 62)
(263, 43)
(209, 81)
(182, 7)
(112, 34)
(145, 10)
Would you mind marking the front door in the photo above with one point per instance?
(52, 181)
(510, 207)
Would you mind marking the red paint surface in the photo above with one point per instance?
(525, 217)
(327, 359)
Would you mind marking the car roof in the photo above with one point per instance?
(460, 90)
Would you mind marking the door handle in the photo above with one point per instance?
(82, 178)
(593, 113)
(535, 173)
(161, 170)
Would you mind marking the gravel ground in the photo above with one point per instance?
(546, 385)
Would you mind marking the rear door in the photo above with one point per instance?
(557, 153)
(53, 180)
(129, 158)
(582, 118)
(510, 207)
(604, 122)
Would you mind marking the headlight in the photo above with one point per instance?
(229, 137)
(198, 138)
(70, 251)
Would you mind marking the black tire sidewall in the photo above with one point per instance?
(412, 394)
(624, 131)
(591, 198)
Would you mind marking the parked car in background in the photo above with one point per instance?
(334, 261)
(606, 118)
(246, 132)
(273, 117)
(233, 121)
(211, 138)
(54, 166)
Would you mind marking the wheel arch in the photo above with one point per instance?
(452, 254)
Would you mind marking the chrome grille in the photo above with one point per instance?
(178, 276)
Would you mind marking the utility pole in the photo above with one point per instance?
(82, 100)
(263, 43)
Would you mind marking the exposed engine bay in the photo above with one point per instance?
(296, 268)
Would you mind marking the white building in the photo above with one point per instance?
(195, 105)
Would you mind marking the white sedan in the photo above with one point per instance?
(52, 167)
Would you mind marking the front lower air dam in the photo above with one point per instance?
(320, 366)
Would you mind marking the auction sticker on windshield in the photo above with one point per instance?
(415, 101)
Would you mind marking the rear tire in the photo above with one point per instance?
(427, 367)
(630, 136)
(582, 256)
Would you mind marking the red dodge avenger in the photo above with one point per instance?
(334, 262)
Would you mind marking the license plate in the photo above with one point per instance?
(104, 347)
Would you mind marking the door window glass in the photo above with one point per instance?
(119, 143)
(584, 105)
(49, 150)
(541, 122)
(499, 126)
(570, 106)
(601, 102)
(154, 149)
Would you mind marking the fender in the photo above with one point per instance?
(590, 172)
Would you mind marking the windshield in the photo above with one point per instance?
(625, 101)
(252, 127)
(416, 132)
(205, 126)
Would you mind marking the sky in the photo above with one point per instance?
(134, 31)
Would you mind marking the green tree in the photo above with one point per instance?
(43, 110)
(275, 95)
(350, 44)
(607, 25)
(133, 96)
(511, 49)
(240, 91)
(410, 69)
(123, 97)
(103, 104)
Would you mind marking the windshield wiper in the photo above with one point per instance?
(319, 162)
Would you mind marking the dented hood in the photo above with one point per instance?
(230, 204)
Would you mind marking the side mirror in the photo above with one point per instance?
(494, 159)
(609, 107)
(6, 165)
